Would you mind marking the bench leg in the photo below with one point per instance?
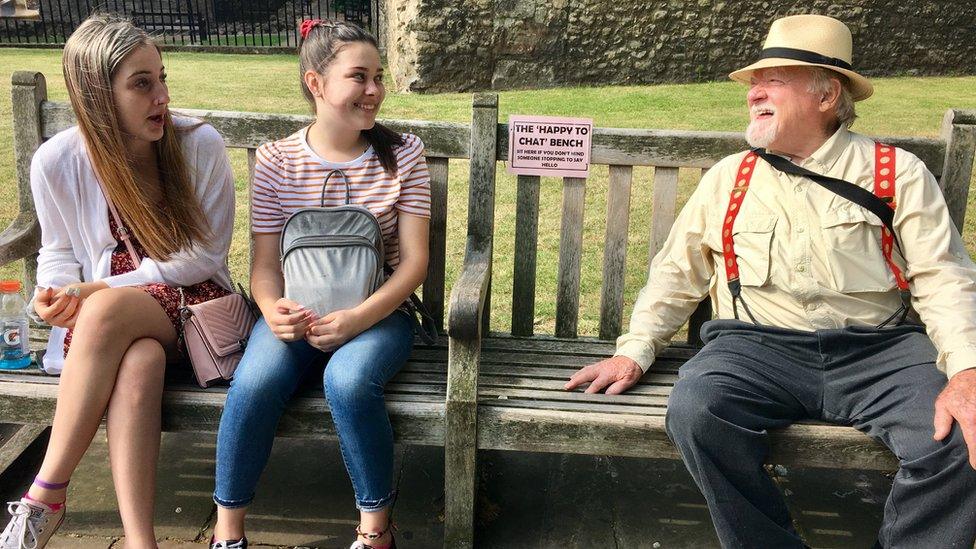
(21, 450)
(460, 470)
(461, 443)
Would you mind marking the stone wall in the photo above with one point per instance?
(464, 45)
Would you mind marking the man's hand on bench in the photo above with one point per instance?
(958, 402)
(615, 374)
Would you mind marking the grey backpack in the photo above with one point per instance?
(332, 258)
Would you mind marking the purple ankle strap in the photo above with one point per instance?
(50, 485)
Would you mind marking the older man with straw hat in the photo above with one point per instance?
(843, 294)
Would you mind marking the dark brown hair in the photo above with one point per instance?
(316, 52)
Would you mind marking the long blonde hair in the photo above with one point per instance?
(91, 57)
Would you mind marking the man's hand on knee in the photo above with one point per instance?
(958, 402)
(616, 374)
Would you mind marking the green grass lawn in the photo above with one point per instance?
(901, 106)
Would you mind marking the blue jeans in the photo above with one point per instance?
(269, 374)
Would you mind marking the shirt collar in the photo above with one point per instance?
(827, 155)
(824, 158)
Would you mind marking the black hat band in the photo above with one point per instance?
(805, 55)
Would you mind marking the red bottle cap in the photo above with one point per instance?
(8, 286)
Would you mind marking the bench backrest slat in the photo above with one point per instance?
(251, 161)
(28, 92)
(615, 250)
(570, 254)
(526, 248)
(662, 209)
(433, 291)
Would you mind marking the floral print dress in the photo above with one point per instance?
(167, 296)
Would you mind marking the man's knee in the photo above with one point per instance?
(695, 405)
(933, 457)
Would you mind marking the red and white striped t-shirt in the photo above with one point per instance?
(288, 176)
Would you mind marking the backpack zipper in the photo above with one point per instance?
(329, 240)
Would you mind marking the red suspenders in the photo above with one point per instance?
(884, 188)
(742, 178)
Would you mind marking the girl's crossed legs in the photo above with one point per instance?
(115, 368)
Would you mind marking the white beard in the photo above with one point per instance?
(761, 133)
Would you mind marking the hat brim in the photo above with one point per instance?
(860, 87)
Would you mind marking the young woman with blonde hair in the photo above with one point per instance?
(111, 290)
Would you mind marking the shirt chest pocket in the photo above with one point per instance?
(853, 247)
(753, 238)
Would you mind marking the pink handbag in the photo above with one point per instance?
(215, 333)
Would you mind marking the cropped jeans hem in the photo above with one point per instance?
(232, 504)
(373, 505)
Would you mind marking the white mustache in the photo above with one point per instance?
(754, 110)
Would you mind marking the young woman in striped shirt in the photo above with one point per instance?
(365, 346)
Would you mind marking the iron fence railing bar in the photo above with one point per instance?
(259, 24)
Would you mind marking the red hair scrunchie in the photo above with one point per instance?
(307, 26)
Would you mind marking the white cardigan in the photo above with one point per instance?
(76, 243)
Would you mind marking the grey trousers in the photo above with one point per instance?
(749, 378)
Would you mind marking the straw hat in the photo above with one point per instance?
(813, 40)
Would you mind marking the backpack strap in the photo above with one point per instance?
(426, 328)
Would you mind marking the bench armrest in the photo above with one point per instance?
(469, 295)
(20, 239)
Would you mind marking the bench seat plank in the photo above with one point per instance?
(512, 426)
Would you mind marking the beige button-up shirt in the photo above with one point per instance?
(811, 260)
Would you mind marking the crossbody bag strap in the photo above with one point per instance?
(122, 233)
(858, 195)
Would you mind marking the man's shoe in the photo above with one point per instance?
(31, 525)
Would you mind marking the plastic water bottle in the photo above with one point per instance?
(14, 338)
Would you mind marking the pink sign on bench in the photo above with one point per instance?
(549, 146)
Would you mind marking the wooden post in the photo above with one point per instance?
(465, 326)
(959, 132)
(28, 91)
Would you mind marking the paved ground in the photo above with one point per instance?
(526, 501)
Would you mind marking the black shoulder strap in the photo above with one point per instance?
(858, 195)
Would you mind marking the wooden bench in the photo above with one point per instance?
(478, 388)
